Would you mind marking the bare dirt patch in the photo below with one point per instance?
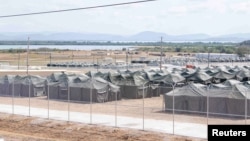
(16, 127)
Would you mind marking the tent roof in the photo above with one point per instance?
(189, 90)
(238, 91)
(129, 78)
(223, 74)
(171, 78)
(200, 76)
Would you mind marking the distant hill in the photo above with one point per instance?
(64, 36)
(147, 36)
(139, 37)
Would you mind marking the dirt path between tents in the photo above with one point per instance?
(22, 128)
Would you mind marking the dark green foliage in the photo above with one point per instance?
(178, 49)
(243, 48)
(196, 47)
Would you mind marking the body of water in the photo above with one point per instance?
(71, 47)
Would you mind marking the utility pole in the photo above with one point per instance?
(45, 54)
(115, 59)
(208, 58)
(72, 55)
(127, 57)
(50, 58)
(27, 61)
(18, 58)
(161, 56)
(97, 64)
(248, 59)
(131, 57)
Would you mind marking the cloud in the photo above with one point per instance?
(242, 7)
(169, 16)
(219, 6)
(178, 10)
(208, 7)
(195, 6)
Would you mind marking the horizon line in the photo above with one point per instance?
(131, 34)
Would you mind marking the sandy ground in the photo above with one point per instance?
(40, 59)
(22, 128)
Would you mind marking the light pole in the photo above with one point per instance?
(208, 56)
(115, 58)
(97, 64)
(131, 56)
(18, 58)
(127, 58)
(161, 56)
(72, 55)
(28, 56)
(50, 58)
(248, 56)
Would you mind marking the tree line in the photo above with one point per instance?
(241, 48)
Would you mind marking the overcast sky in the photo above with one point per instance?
(175, 17)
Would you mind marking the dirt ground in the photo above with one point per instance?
(42, 58)
(22, 128)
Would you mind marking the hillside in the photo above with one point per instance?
(139, 37)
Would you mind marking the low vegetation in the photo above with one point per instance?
(185, 47)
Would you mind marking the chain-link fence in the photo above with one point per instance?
(177, 109)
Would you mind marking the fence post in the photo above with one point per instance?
(13, 93)
(91, 101)
(68, 103)
(246, 107)
(208, 105)
(115, 109)
(143, 92)
(48, 98)
(29, 93)
(173, 86)
(163, 100)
